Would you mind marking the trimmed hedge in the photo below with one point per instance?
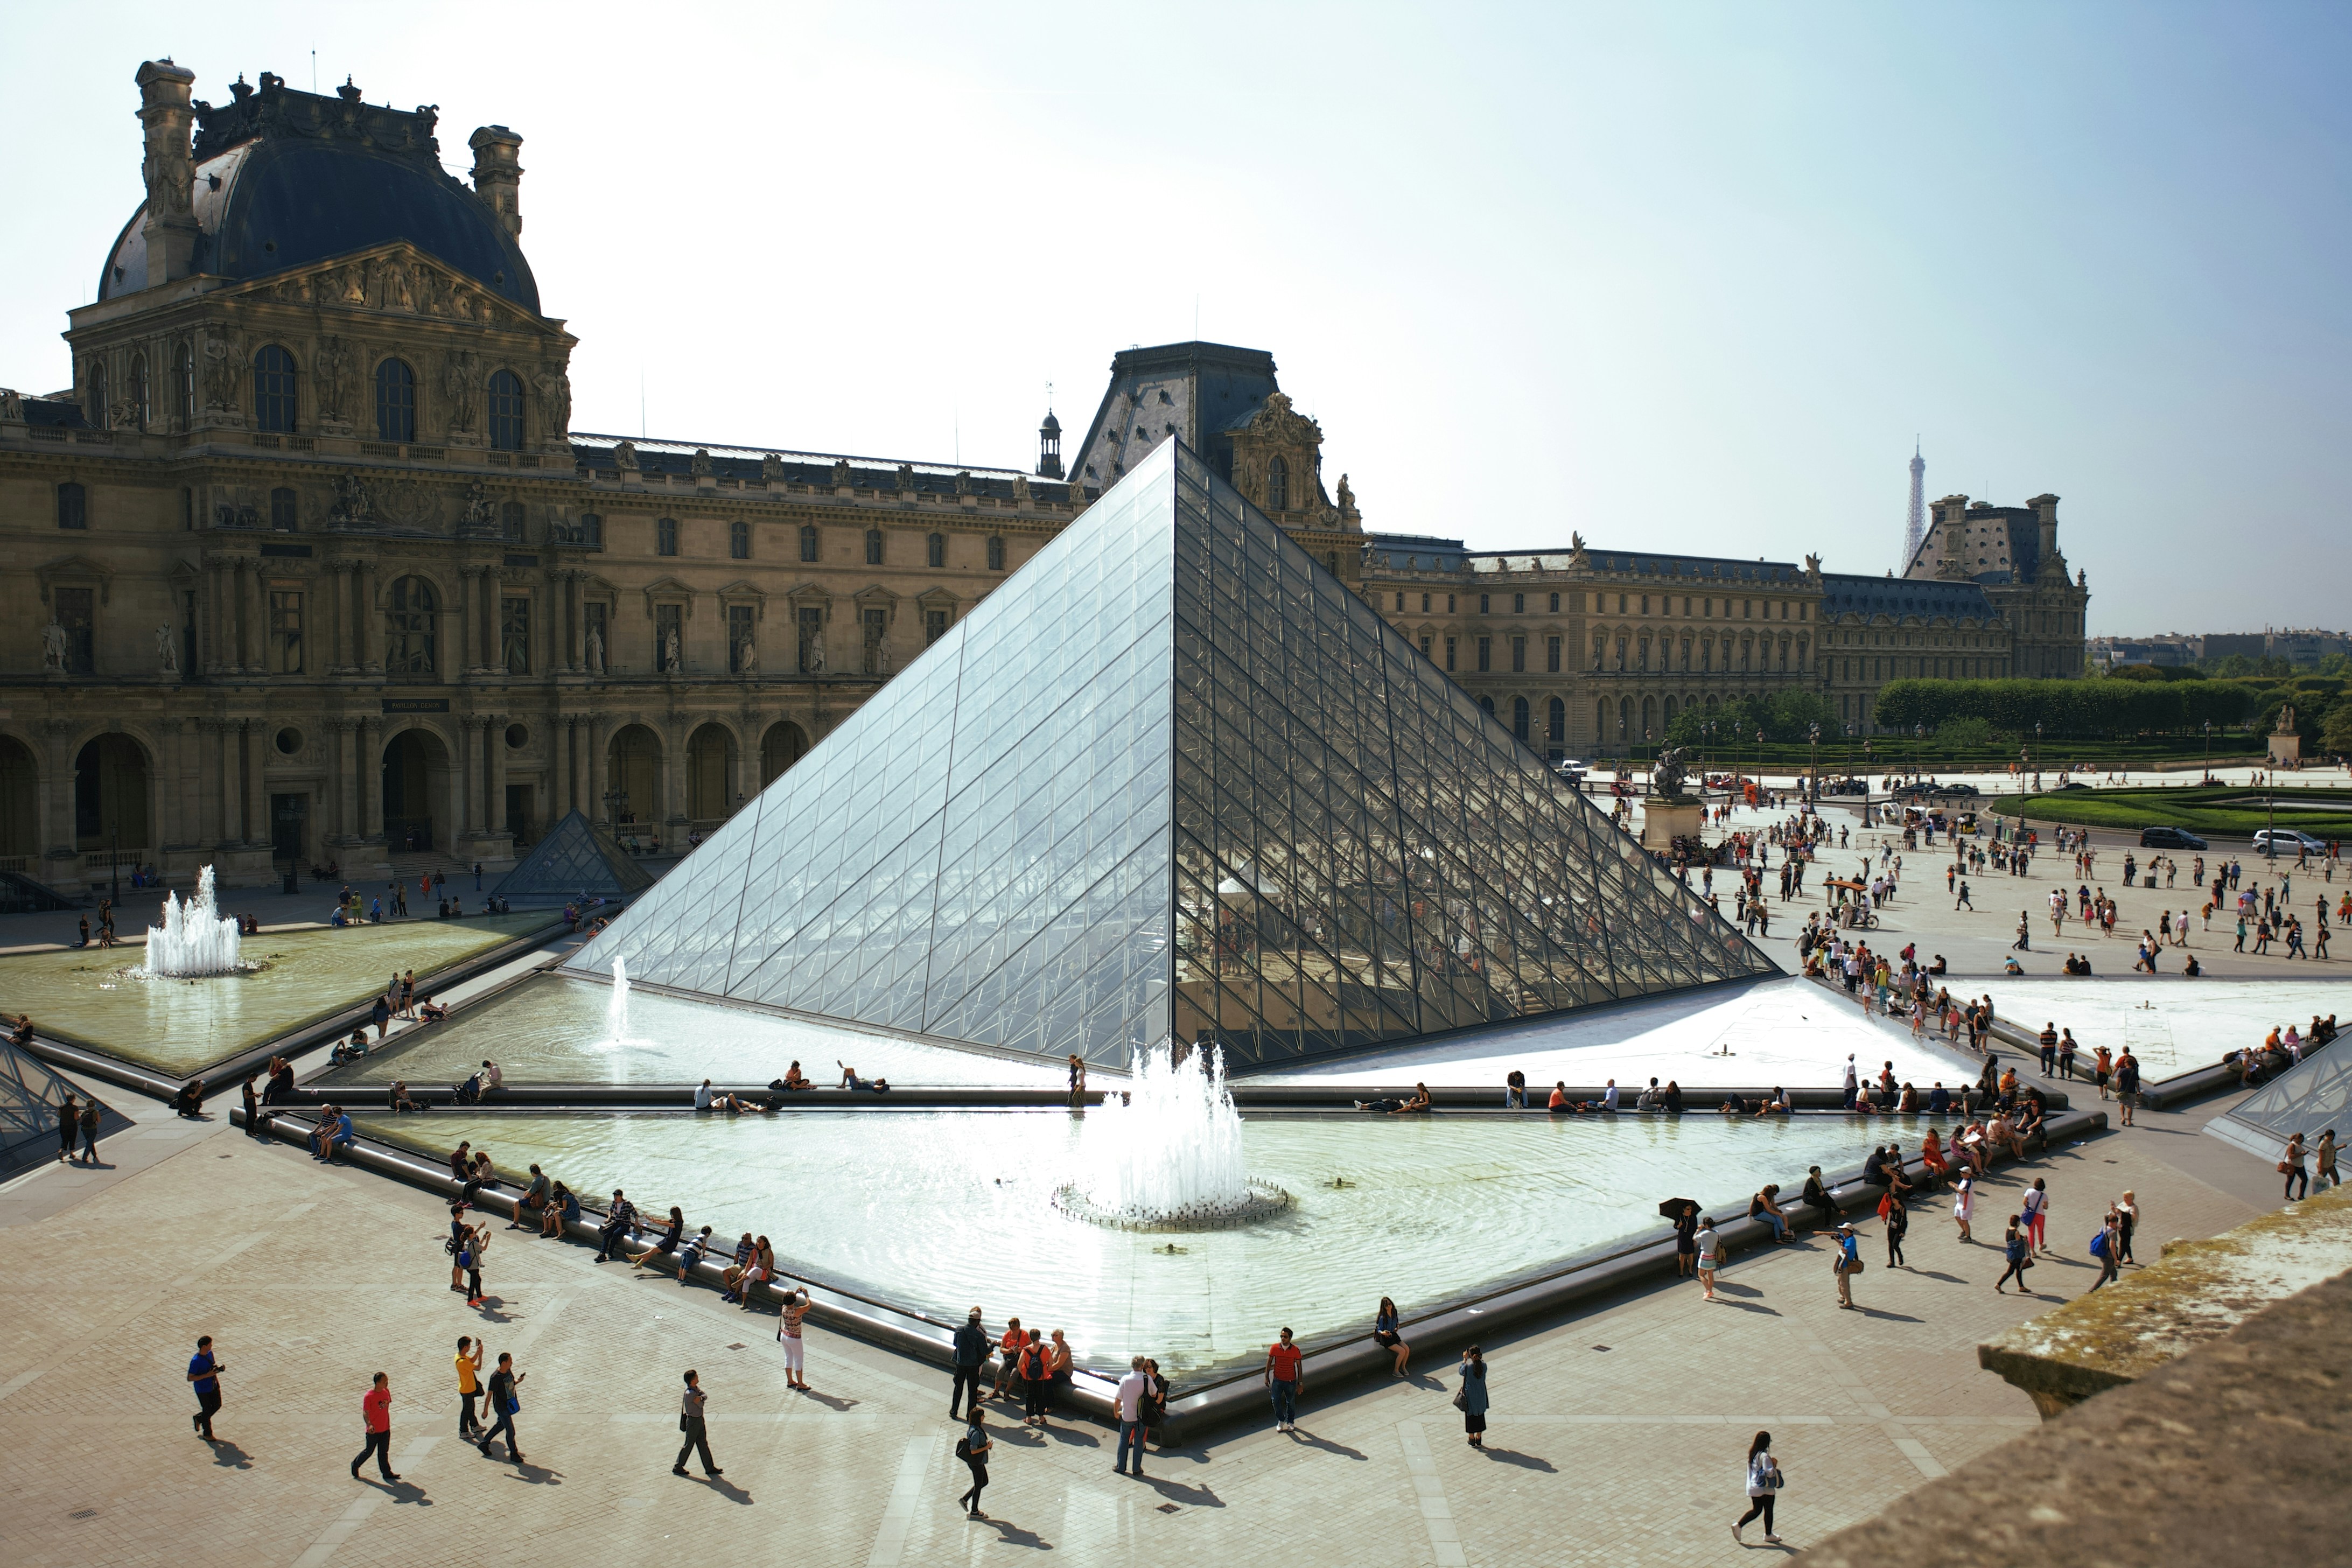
(2067, 707)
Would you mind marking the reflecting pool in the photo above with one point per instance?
(934, 1212)
(2172, 1024)
(555, 1029)
(100, 997)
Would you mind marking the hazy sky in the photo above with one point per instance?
(1688, 276)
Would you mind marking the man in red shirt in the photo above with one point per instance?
(375, 1409)
(1285, 1376)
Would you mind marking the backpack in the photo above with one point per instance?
(963, 1447)
(2099, 1244)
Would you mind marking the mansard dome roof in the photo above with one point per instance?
(287, 179)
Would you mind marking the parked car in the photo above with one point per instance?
(2170, 838)
(2073, 784)
(2287, 841)
(1961, 789)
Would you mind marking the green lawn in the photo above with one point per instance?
(2230, 811)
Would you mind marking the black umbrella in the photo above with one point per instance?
(1675, 1206)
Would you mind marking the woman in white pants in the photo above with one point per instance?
(788, 1335)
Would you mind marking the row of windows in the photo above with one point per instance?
(276, 402)
(1597, 603)
(1921, 668)
(738, 543)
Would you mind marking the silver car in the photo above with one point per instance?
(2287, 841)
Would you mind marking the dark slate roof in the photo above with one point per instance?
(1927, 598)
(287, 179)
(2005, 544)
(1222, 385)
(662, 456)
(54, 411)
(1414, 552)
(1641, 563)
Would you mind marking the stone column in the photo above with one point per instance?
(599, 759)
(571, 621)
(368, 777)
(495, 738)
(248, 642)
(673, 777)
(341, 777)
(208, 645)
(492, 590)
(257, 786)
(57, 838)
(465, 657)
(223, 794)
(333, 577)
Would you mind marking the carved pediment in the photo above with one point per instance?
(393, 280)
(936, 599)
(668, 591)
(742, 591)
(1275, 423)
(74, 571)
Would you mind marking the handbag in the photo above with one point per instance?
(1461, 1399)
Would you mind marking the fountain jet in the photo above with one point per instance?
(194, 940)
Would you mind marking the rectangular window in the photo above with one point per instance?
(1747, 609)
(1519, 603)
(877, 640)
(665, 536)
(1551, 654)
(738, 540)
(808, 541)
(1482, 604)
(1399, 603)
(1519, 656)
(285, 632)
(1645, 604)
(740, 643)
(1485, 655)
(935, 625)
(598, 622)
(510, 520)
(281, 510)
(1805, 611)
(812, 641)
(1706, 608)
(1555, 604)
(591, 530)
(514, 634)
(73, 506)
(75, 613)
(1425, 645)
(1621, 604)
(1449, 603)
(1425, 604)
(1449, 652)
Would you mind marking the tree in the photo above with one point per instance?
(2336, 727)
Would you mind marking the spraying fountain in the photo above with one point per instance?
(194, 940)
(616, 1011)
(1168, 1156)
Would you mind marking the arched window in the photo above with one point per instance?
(738, 540)
(665, 536)
(184, 386)
(395, 402)
(808, 541)
(1556, 726)
(273, 389)
(143, 413)
(73, 506)
(1669, 712)
(1488, 704)
(1519, 717)
(1601, 721)
(506, 412)
(281, 510)
(995, 553)
(874, 547)
(94, 407)
(1277, 485)
(935, 550)
(408, 607)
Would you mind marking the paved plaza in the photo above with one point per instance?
(1616, 1436)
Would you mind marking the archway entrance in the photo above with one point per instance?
(415, 781)
(635, 769)
(780, 748)
(709, 776)
(20, 803)
(110, 796)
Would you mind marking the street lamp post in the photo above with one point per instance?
(1813, 740)
(1919, 744)
(2205, 771)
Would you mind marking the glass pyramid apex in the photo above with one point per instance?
(576, 856)
(1172, 781)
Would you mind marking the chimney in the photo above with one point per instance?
(170, 170)
(2046, 506)
(498, 173)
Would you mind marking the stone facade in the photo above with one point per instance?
(2012, 552)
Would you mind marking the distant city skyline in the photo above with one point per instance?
(1689, 275)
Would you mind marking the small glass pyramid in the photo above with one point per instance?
(575, 858)
(30, 1093)
(1172, 781)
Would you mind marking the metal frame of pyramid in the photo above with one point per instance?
(575, 856)
(1173, 781)
(2316, 1093)
(30, 1092)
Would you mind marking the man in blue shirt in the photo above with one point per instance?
(203, 1376)
(1846, 1262)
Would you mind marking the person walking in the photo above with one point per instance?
(2292, 1165)
(90, 1114)
(2126, 1221)
(469, 1386)
(68, 1124)
(973, 1449)
(1896, 1220)
(2020, 1255)
(2107, 1247)
(1707, 1241)
(1763, 1486)
(2035, 1204)
(375, 1412)
(789, 1334)
(1284, 1377)
(1132, 1390)
(970, 1356)
(203, 1376)
(1471, 1397)
(1964, 1204)
(2127, 1085)
(470, 1255)
(1845, 1263)
(2324, 1153)
(691, 1425)
(506, 1404)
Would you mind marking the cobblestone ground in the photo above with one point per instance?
(1617, 1435)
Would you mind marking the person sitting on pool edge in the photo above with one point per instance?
(851, 1081)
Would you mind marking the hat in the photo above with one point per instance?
(974, 1314)
(1844, 1226)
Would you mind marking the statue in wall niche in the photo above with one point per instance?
(882, 657)
(351, 506)
(555, 399)
(53, 648)
(595, 651)
(813, 662)
(747, 656)
(479, 508)
(167, 651)
(673, 659)
(625, 457)
(331, 375)
(458, 379)
(223, 365)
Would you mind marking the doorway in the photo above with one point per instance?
(518, 816)
(289, 828)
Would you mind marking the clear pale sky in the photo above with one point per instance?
(1686, 277)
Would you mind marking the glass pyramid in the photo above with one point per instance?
(2315, 1094)
(1171, 780)
(30, 1093)
(576, 856)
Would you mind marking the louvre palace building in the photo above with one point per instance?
(307, 564)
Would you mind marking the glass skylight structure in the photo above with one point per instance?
(1172, 782)
(576, 856)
